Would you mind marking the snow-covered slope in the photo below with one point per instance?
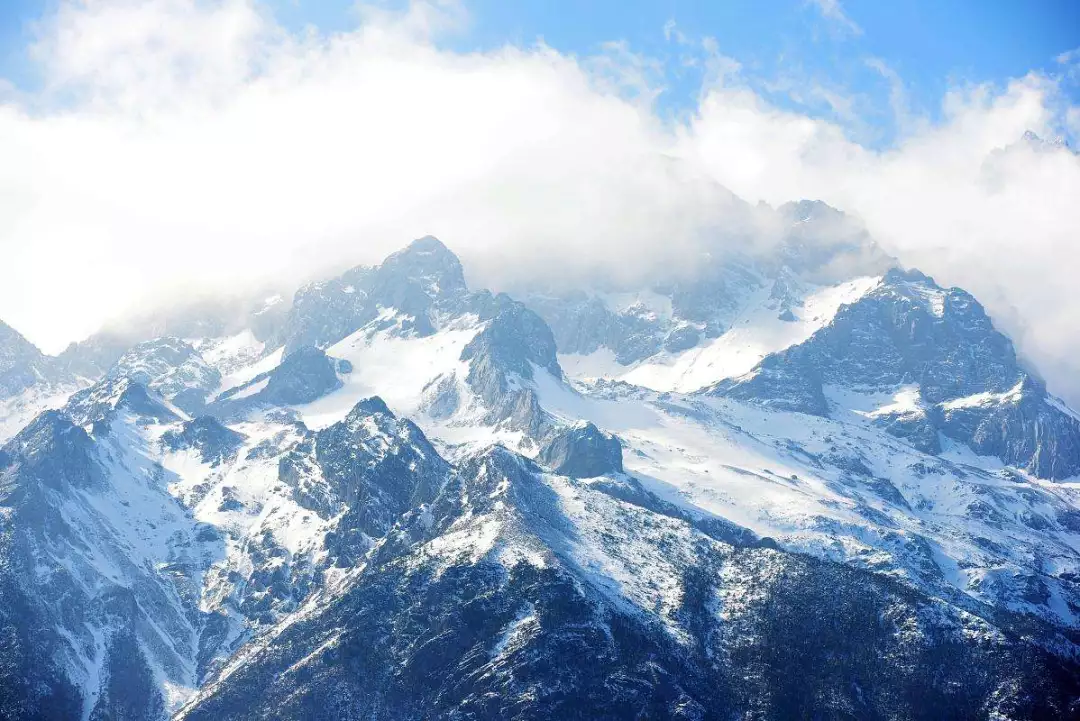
(841, 489)
(396, 367)
(520, 594)
(797, 486)
(151, 547)
(769, 321)
(30, 382)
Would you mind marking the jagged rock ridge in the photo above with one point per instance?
(818, 537)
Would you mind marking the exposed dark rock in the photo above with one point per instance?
(53, 453)
(781, 382)
(304, 376)
(1022, 429)
(502, 356)
(372, 467)
(916, 428)
(214, 441)
(582, 451)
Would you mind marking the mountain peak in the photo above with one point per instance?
(428, 244)
(14, 345)
(21, 363)
(909, 275)
(427, 262)
(410, 282)
(100, 402)
(1037, 142)
(804, 210)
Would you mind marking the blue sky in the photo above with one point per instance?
(929, 43)
(785, 47)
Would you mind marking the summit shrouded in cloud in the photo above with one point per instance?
(153, 149)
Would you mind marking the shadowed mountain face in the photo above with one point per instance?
(484, 609)
(794, 486)
(963, 374)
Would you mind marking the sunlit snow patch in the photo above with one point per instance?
(756, 332)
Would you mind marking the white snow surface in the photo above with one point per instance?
(18, 410)
(755, 332)
(230, 353)
(245, 373)
(918, 517)
(396, 368)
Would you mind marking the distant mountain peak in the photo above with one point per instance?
(801, 211)
(1037, 142)
(426, 261)
(22, 364)
(428, 244)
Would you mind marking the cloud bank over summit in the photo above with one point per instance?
(173, 146)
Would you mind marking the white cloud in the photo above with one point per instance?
(1003, 225)
(180, 144)
(898, 96)
(833, 11)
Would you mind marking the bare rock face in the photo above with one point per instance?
(215, 442)
(514, 345)
(582, 451)
(304, 376)
(418, 282)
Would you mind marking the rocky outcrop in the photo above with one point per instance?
(172, 369)
(416, 282)
(302, 377)
(214, 442)
(582, 451)
(98, 405)
(503, 357)
(1020, 427)
(367, 470)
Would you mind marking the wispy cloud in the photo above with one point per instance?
(1070, 65)
(899, 103)
(833, 11)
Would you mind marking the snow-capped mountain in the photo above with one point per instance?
(799, 484)
(21, 363)
(30, 382)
